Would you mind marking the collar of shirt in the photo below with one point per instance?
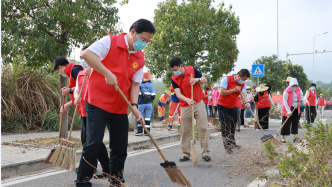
(125, 37)
(235, 79)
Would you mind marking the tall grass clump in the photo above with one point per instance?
(29, 99)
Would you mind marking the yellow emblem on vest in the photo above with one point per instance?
(134, 65)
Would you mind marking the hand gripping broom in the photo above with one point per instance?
(170, 167)
(268, 137)
(48, 158)
(195, 155)
(65, 154)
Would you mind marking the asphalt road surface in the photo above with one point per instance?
(142, 167)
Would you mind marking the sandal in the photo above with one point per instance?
(296, 140)
(282, 140)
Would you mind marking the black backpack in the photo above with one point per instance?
(145, 97)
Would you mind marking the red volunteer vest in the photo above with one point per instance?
(80, 78)
(230, 100)
(185, 87)
(263, 101)
(312, 98)
(206, 98)
(72, 81)
(123, 66)
(321, 101)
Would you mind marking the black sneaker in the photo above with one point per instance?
(235, 147)
(116, 183)
(101, 176)
(146, 135)
(138, 134)
(229, 151)
(184, 158)
(238, 130)
(207, 158)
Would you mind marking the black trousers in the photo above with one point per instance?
(313, 113)
(227, 118)
(211, 111)
(291, 126)
(117, 124)
(263, 117)
(242, 116)
(103, 155)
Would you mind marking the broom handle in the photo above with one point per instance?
(287, 118)
(72, 122)
(241, 99)
(63, 106)
(192, 110)
(145, 129)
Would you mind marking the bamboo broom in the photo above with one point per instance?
(48, 158)
(265, 138)
(170, 167)
(65, 154)
(195, 155)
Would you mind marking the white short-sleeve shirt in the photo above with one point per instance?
(101, 48)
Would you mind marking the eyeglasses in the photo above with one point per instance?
(143, 39)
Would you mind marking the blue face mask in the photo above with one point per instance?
(312, 88)
(83, 63)
(241, 82)
(139, 44)
(177, 73)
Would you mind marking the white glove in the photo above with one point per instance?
(289, 113)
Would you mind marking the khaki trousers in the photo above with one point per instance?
(321, 110)
(186, 127)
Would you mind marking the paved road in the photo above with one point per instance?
(142, 167)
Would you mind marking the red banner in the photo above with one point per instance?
(328, 102)
(276, 98)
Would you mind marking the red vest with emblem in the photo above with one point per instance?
(312, 98)
(321, 101)
(263, 101)
(230, 100)
(206, 98)
(72, 81)
(80, 78)
(123, 66)
(185, 87)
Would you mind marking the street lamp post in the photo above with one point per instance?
(313, 57)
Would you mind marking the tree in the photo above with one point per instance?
(296, 71)
(201, 35)
(275, 72)
(40, 30)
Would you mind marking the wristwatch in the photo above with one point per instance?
(70, 91)
(200, 79)
(132, 104)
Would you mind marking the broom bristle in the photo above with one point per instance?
(276, 142)
(177, 176)
(300, 126)
(195, 155)
(49, 156)
(64, 156)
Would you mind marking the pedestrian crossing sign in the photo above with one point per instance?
(258, 70)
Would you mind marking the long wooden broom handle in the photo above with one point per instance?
(145, 129)
(242, 101)
(61, 116)
(287, 118)
(192, 109)
(72, 122)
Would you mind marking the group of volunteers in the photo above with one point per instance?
(115, 62)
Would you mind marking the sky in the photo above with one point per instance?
(299, 22)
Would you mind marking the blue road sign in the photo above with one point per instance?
(258, 70)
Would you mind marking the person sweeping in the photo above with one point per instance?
(230, 88)
(182, 82)
(321, 104)
(163, 100)
(291, 99)
(117, 62)
(310, 100)
(263, 105)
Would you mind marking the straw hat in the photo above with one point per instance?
(216, 85)
(248, 88)
(262, 88)
(168, 93)
(321, 94)
(147, 76)
(288, 79)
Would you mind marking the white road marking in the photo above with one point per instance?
(130, 154)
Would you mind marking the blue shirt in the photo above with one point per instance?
(224, 84)
(148, 89)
